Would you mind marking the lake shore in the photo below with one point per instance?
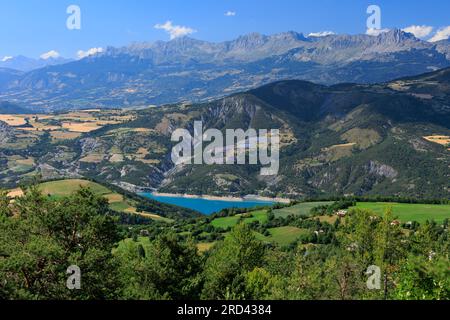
(227, 198)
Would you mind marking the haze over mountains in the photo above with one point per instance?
(186, 69)
(25, 64)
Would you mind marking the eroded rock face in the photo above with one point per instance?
(419, 145)
(126, 170)
(230, 107)
(89, 145)
(5, 132)
(382, 170)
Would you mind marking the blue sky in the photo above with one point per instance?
(33, 27)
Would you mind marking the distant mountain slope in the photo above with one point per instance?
(7, 76)
(25, 64)
(11, 108)
(185, 69)
(343, 139)
(389, 138)
(443, 46)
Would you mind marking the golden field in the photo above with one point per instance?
(67, 125)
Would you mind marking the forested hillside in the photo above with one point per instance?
(386, 139)
(40, 238)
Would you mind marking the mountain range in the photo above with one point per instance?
(189, 70)
(390, 138)
(25, 64)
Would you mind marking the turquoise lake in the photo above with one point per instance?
(206, 206)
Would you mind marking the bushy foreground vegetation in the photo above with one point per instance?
(41, 237)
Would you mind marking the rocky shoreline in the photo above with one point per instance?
(225, 198)
(137, 189)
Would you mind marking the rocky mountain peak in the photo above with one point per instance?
(396, 36)
(291, 35)
(194, 70)
(250, 41)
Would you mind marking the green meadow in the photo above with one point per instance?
(229, 222)
(282, 236)
(63, 188)
(410, 211)
(299, 209)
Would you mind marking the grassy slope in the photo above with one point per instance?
(410, 212)
(145, 242)
(260, 215)
(62, 188)
(283, 236)
(405, 211)
(299, 209)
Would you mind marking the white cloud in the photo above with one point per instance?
(376, 32)
(6, 58)
(441, 34)
(50, 55)
(175, 31)
(92, 51)
(419, 31)
(230, 13)
(321, 34)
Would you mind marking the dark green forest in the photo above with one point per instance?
(41, 237)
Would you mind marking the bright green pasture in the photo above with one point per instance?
(410, 211)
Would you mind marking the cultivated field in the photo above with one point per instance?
(442, 140)
(229, 222)
(283, 236)
(13, 120)
(65, 125)
(405, 211)
(410, 212)
(64, 188)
